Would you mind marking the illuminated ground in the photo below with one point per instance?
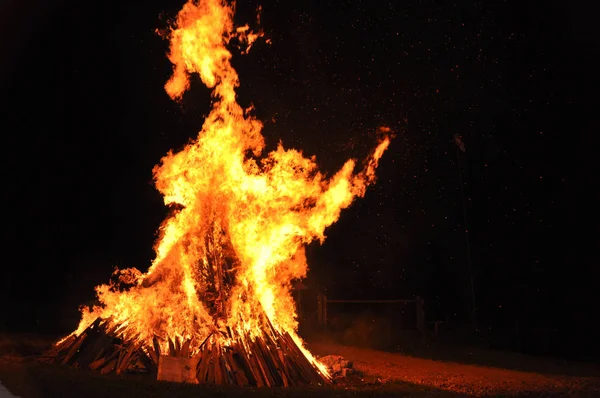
(535, 376)
(380, 374)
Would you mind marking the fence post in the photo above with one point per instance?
(324, 311)
(320, 309)
(420, 314)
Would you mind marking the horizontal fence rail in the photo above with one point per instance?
(323, 302)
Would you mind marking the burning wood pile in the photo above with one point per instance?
(216, 303)
(267, 360)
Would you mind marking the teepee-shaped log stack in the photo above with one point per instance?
(269, 359)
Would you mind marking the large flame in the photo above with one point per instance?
(235, 242)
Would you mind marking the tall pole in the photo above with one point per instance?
(467, 241)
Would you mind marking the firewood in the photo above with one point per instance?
(185, 348)
(314, 375)
(214, 358)
(271, 362)
(156, 345)
(97, 363)
(172, 351)
(152, 355)
(261, 359)
(178, 345)
(210, 372)
(103, 345)
(73, 349)
(258, 363)
(109, 367)
(240, 358)
(202, 368)
(276, 355)
(65, 344)
(270, 359)
(126, 360)
(106, 359)
(147, 360)
(295, 361)
(228, 377)
(247, 362)
(95, 344)
(238, 372)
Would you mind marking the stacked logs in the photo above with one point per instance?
(99, 348)
(268, 358)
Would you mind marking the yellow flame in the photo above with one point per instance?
(231, 251)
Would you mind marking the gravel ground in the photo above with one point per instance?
(553, 378)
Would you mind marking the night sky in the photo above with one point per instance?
(85, 118)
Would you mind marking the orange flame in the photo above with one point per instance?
(231, 251)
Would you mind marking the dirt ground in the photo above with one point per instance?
(377, 374)
(545, 376)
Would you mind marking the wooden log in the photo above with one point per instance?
(103, 345)
(270, 360)
(311, 371)
(146, 360)
(122, 351)
(120, 330)
(274, 338)
(270, 325)
(274, 351)
(97, 363)
(200, 370)
(105, 360)
(63, 349)
(237, 371)
(241, 360)
(178, 345)
(213, 369)
(295, 361)
(288, 370)
(73, 349)
(216, 364)
(247, 362)
(196, 357)
(256, 362)
(64, 345)
(228, 377)
(203, 364)
(94, 345)
(283, 372)
(152, 355)
(228, 369)
(210, 371)
(206, 340)
(262, 359)
(172, 351)
(109, 367)
(185, 348)
(217, 371)
(156, 345)
(126, 360)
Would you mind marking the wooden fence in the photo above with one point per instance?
(323, 303)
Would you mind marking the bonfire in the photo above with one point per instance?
(215, 306)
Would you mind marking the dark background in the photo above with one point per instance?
(85, 118)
